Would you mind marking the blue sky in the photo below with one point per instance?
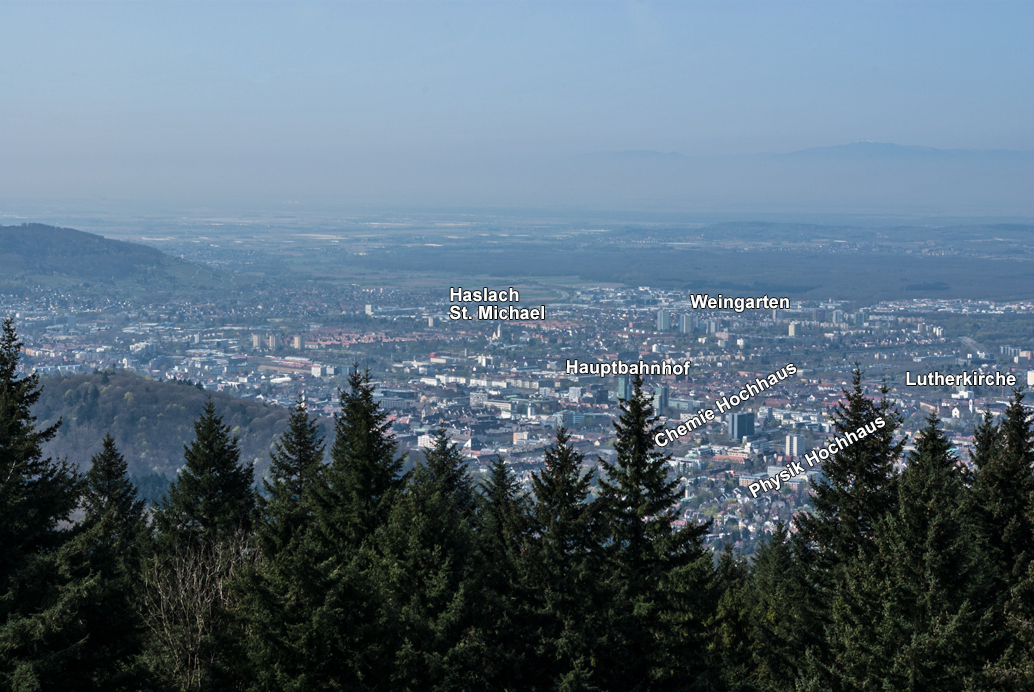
(473, 102)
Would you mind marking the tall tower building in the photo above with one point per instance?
(794, 445)
(687, 323)
(740, 425)
(660, 398)
(256, 341)
(624, 387)
(663, 320)
(275, 342)
(299, 342)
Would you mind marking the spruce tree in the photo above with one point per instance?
(503, 526)
(108, 550)
(780, 624)
(295, 465)
(38, 595)
(1003, 500)
(273, 598)
(447, 470)
(1004, 485)
(363, 478)
(662, 572)
(429, 569)
(213, 498)
(986, 442)
(337, 635)
(856, 487)
(985, 456)
(917, 615)
(729, 660)
(563, 575)
(504, 506)
(203, 541)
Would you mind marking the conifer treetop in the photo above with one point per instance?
(213, 497)
(640, 499)
(36, 493)
(364, 476)
(857, 486)
(296, 464)
(108, 492)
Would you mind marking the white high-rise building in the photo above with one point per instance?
(663, 320)
(794, 445)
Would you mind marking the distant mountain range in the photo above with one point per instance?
(40, 254)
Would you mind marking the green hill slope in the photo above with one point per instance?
(39, 254)
(150, 420)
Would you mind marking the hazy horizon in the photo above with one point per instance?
(637, 106)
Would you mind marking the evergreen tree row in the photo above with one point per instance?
(347, 573)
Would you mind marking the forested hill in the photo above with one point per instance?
(40, 254)
(150, 420)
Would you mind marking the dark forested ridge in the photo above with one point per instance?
(149, 420)
(37, 253)
(350, 573)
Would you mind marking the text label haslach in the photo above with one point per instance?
(491, 312)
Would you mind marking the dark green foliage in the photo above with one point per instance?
(428, 568)
(297, 461)
(563, 576)
(856, 487)
(783, 624)
(1004, 484)
(660, 571)
(40, 591)
(1003, 504)
(760, 629)
(447, 470)
(503, 512)
(214, 497)
(203, 541)
(110, 542)
(270, 590)
(916, 615)
(339, 631)
(364, 477)
(856, 490)
(729, 653)
(503, 528)
(35, 492)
